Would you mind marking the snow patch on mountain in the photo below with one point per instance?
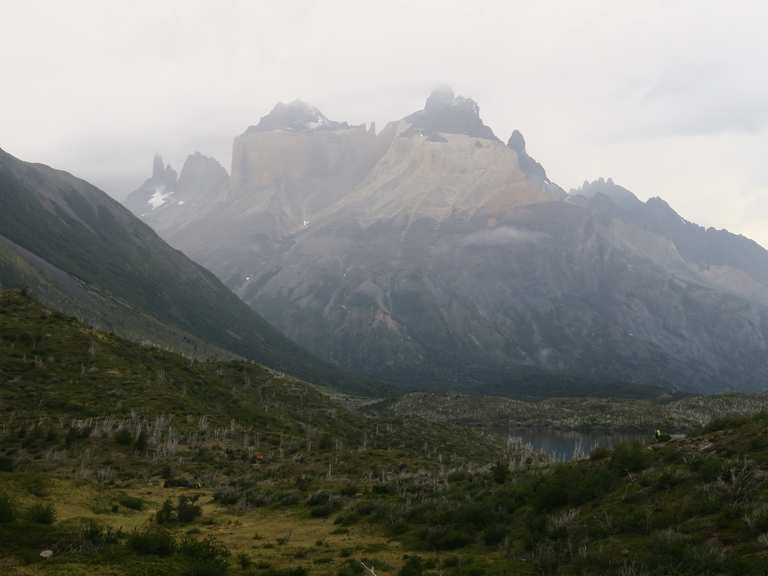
(159, 197)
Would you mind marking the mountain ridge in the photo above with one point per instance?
(82, 240)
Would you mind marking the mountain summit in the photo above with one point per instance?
(295, 116)
(448, 113)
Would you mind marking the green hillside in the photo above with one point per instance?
(118, 458)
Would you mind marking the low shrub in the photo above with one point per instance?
(325, 510)
(187, 510)
(41, 514)
(166, 514)
(726, 423)
(600, 453)
(7, 464)
(572, 484)
(708, 468)
(131, 502)
(94, 535)
(500, 472)
(444, 538)
(494, 534)
(152, 541)
(414, 566)
(757, 519)
(7, 509)
(38, 487)
(206, 549)
(124, 437)
(630, 457)
(244, 561)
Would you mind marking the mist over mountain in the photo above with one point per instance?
(432, 255)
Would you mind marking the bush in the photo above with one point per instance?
(7, 464)
(207, 549)
(347, 519)
(708, 468)
(349, 490)
(600, 453)
(244, 561)
(131, 502)
(38, 487)
(494, 534)
(573, 485)
(319, 498)
(757, 519)
(91, 533)
(287, 572)
(155, 541)
(187, 510)
(166, 514)
(351, 568)
(323, 504)
(444, 538)
(215, 567)
(726, 422)
(42, 514)
(325, 443)
(178, 483)
(382, 489)
(227, 496)
(7, 509)
(500, 472)
(630, 457)
(142, 441)
(414, 566)
(124, 437)
(325, 510)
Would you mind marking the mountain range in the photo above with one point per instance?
(431, 254)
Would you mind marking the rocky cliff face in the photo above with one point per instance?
(296, 162)
(434, 255)
(168, 203)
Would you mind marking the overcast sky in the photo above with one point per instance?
(668, 98)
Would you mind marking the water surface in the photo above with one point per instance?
(567, 445)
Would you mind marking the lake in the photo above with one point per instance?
(567, 445)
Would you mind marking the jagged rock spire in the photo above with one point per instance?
(527, 164)
(158, 167)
